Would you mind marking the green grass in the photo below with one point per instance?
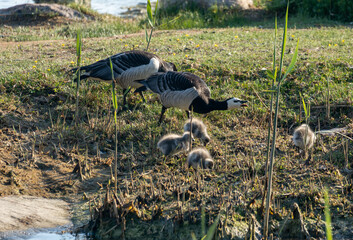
(233, 62)
(104, 26)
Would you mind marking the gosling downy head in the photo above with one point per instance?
(200, 157)
(199, 130)
(304, 137)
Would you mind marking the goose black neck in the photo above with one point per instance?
(200, 106)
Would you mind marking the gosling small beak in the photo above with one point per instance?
(243, 103)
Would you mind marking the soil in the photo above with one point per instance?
(23, 212)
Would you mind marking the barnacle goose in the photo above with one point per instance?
(127, 67)
(186, 91)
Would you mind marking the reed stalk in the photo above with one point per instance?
(280, 79)
(273, 76)
(327, 217)
(151, 20)
(78, 54)
(115, 105)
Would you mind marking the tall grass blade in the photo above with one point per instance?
(115, 104)
(78, 46)
(149, 13)
(155, 13)
(274, 133)
(306, 108)
(274, 47)
(151, 20)
(327, 217)
(272, 75)
(211, 231)
(292, 63)
(193, 237)
(149, 40)
(78, 54)
(169, 22)
(146, 34)
(203, 222)
(283, 43)
(114, 97)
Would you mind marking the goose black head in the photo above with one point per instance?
(173, 66)
(168, 66)
(236, 103)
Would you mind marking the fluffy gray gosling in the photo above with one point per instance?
(171, 144)
(199, 130)
(200, 157)
(304, 137)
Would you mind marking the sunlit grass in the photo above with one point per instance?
(235, 67)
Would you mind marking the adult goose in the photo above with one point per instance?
(186, 91)
(127, 67)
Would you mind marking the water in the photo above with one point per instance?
(49, 234)
(114, 7)
(11, 3)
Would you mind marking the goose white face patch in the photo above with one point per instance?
(236, 103)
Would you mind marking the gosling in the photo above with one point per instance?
(199, 130)
(304, 137)
(172, 144)
(200, 157)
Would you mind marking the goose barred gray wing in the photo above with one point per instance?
(176, 81)
(121, 62)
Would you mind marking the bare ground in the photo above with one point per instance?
(23, 212)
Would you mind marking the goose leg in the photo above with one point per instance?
(162, 113)
(143, 98)
(125, 92)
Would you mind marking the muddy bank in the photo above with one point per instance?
(25, 212)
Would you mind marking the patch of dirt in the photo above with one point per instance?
(24, 212)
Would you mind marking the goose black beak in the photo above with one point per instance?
(243, 103)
